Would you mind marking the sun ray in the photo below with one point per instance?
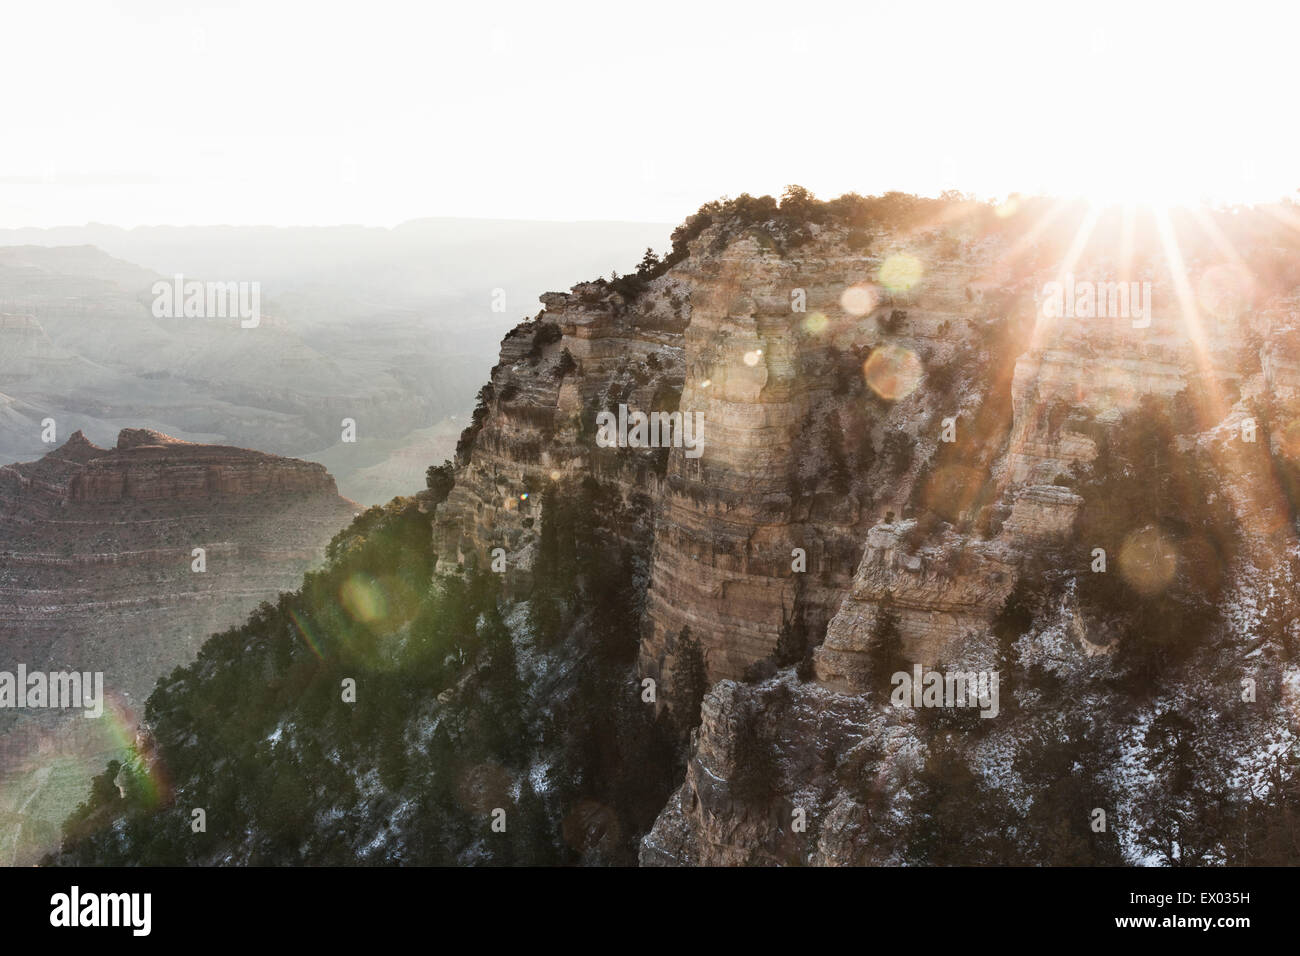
(1283, 214)
(1257, 487)
(1127, 241)
(1190, 313)
(1026, 240)
(1042, 328)
(1216, 236)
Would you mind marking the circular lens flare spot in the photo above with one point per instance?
(363, 599)
(484, 787)
(859, 299)
(1148, 560)
(951, 490)
(815, 324)
(893, 372)
(901, 273)
(591, 825)
(1225, 291)
(751, 358)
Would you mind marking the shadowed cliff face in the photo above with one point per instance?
(901, 435)
(802, 454)
(713, 337)
(98, 573)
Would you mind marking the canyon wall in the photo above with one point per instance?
(766, 526)
(894, 429)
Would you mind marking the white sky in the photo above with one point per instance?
(168, 111)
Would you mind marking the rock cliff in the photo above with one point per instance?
(897, 429)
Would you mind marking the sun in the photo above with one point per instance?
(1142, 181)
(1151, 161)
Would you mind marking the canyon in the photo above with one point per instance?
(389, 327)
(909, 465)
(101, 571)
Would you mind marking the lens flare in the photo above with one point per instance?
(122, 721)
(1225, 291)
(44, 776)
(483, 787)
(893, 372)
(815, 324)
(751, 358)
(859, 299)
(1148, 560)
(900, 273)
(952, 489)
(306, 633)
(363, 600)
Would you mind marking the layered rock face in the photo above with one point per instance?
(720, 818)
(779, 421)
(97, 574)
(766, 524)
(1075, 379)
(731, 520)
(937, 601)
(895, 426)
(536, 416)
(151, 466)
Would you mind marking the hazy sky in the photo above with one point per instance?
(168, 111)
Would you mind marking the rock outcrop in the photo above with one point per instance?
(893, 420)
(765, 527)
(1074, 380)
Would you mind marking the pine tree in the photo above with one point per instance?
(440, 479)
(791, 641)
(1190, 809)
(955, 819)
(690, 680)
(649, 263)
(885, 655)
(755, 778)
(530, 829)
(837, 469)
